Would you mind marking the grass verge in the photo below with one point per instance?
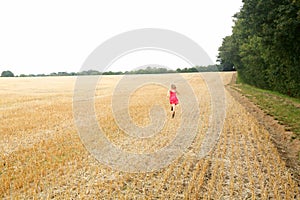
(283, 108)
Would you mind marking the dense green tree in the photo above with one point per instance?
(227, 53)
(7, 74)
(265, 45)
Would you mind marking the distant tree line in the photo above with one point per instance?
(265, 45)
(147, 70)
(7, 74)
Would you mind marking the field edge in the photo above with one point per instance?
(287, 146)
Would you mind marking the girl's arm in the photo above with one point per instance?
(168, 94)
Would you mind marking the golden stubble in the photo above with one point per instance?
(42, 155)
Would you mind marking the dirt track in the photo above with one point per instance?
(288, 148)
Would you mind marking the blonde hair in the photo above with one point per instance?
(173, 86)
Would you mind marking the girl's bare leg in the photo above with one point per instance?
(173, 110)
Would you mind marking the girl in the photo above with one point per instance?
(173, 98)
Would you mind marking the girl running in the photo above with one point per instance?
(173, 98)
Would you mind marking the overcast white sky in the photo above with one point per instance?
(44, 37)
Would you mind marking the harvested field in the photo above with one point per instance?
(42, 155)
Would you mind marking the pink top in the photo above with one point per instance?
(173, 97)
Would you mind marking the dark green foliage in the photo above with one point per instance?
(151, 70)
(265, 45)
(89, 72)
(7, 74)
(209, 68)
(112, 73)
(147, 70)
(226, 55)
